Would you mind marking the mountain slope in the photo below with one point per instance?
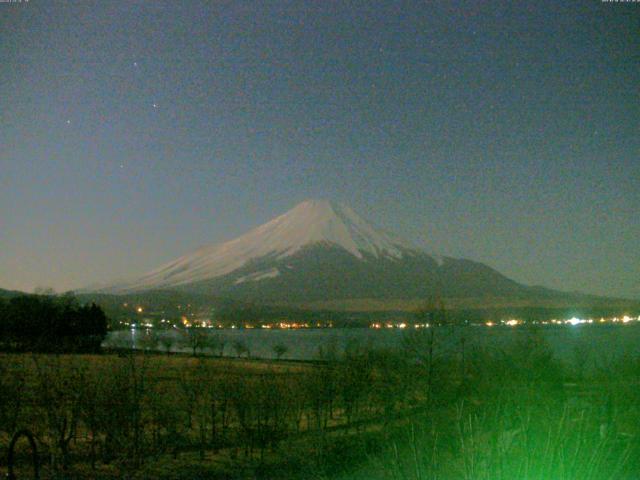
(323, 251)
(328, 272)
(310, 223)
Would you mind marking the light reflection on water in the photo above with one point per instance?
(603, 342)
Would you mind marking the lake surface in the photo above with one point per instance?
(603, 343)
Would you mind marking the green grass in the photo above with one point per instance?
(485, 415)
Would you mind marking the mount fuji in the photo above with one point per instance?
(322, 251)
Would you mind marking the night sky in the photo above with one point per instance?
(504, 132)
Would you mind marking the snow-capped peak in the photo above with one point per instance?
(308, 223)
(316, 221)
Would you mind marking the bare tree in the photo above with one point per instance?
(215, 343)
(193, 386)
(280, 349)
(167, 341)
(12, 390)
(195, 339)
(59, 384)
(426, 344)
(240, 348)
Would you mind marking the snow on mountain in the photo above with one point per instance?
(321, 251)
(271, 273)
(311, 222)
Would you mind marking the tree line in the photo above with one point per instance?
(47, 323)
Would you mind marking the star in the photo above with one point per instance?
(135, 64)
(155, 105)
(68, 122)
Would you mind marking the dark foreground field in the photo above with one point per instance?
(420, 412)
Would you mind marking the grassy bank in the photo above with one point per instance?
(421, 412)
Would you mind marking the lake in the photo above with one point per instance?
(603, 342)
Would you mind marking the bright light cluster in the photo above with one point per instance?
(572, 321)
(512, 322)
(294, 325)
(401, 325)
